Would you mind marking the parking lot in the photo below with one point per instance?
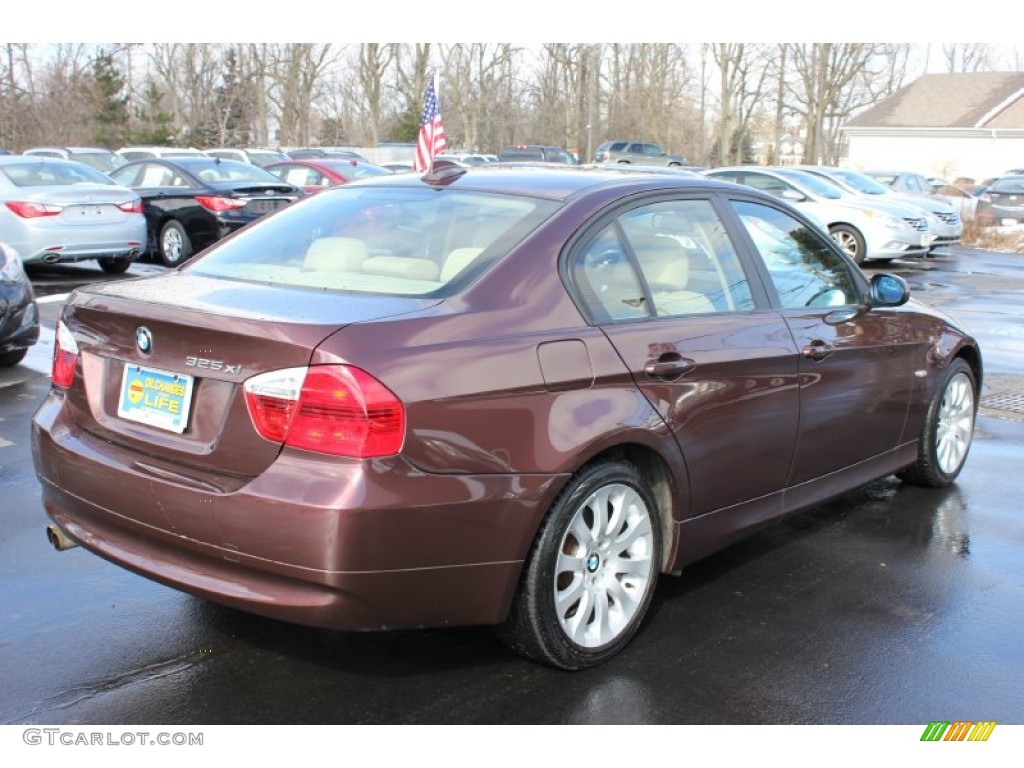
(889, 605)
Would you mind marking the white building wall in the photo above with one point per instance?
(978, 157)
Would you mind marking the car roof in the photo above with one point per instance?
(99, 150)
(16, 159)
(555, 182)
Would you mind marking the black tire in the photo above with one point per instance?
(948, 429)
(850, 240)
(12, 358)
(605, 582)
(114, 266)
(175, 247)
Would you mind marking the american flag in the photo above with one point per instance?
(431, 139)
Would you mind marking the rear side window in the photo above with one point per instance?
(390, 241)
(665, 259)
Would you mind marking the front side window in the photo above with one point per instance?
(804, 268)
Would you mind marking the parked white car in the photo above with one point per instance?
(864, 231)
(145, 153)
(251, 155)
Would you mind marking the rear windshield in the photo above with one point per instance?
(105, 162)
(522, 154)
(52, 173)
(1008, 186)
(215, 171)
(390, 241)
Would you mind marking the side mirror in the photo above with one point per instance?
(792, 194)
(889, 291)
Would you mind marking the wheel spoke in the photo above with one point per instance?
(576, 625)
(565, 599)
(640, 530)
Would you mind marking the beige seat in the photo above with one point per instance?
(666, 266)
(457, 261)
(343, 254)
(402, 266)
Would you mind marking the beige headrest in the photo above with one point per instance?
(336, 253)
(457, 261)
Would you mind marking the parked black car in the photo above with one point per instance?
(19, 316)
(1002, 201)
(191, 202)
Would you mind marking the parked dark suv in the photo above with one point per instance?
(527, 153)
(637, 152)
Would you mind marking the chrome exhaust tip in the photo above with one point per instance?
(59, 539)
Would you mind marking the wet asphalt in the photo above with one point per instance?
(889, 605)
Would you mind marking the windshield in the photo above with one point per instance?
(862, 183)
(815, 184)
(395, 241)
(52, 173)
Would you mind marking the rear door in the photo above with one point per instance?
(666, 286)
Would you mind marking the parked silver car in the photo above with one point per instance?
(639, 152)
(59, 210)
(864, 231)
(915, 188)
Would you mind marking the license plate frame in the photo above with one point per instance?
(157, 398)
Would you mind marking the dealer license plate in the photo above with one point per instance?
(157, 398)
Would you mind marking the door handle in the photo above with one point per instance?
(669, 366)
(817, 350)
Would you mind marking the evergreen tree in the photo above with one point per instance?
(110, 114)
(154, 124)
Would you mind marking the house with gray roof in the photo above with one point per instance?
(949, 125)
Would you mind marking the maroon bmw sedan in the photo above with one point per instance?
(509, 396)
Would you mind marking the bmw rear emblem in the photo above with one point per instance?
(144, 339)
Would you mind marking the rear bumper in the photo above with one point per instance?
(318, 542)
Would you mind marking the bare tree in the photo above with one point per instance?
(475, 74)
(296, 74)
(375, 65)
(967, 57)
(743, 74)
(832, 80)
(646, 93)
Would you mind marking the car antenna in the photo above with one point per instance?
(443, 172)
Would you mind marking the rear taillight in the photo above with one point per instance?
(65, 357)
(219, 204)
(335, 409)
(34, 210)
(132, 206)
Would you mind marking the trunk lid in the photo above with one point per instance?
(206, 336)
